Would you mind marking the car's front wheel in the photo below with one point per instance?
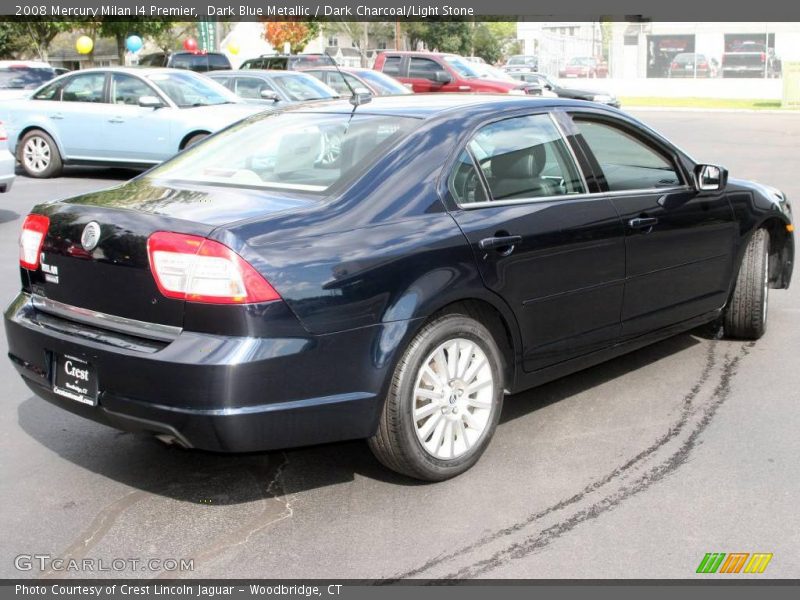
(746, 314)
(444, 400)
(39, 155)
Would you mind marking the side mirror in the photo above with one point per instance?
(710, 178)
(269, 95)
(150, 102)
(442, 77)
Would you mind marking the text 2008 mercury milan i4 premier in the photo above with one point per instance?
(387, 271)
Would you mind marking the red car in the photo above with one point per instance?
(438, 72)
(584, 66)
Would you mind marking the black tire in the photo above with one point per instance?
(40, 139)
(746, 314)
(197, 137)
(396, 443)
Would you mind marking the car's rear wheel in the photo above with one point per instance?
(39, 155)
(746, 314)
(444, 400)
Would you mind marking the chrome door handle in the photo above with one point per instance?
(116, 120)
(57, 117)
(642, 222)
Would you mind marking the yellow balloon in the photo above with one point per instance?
(233, 48)
(84, 44)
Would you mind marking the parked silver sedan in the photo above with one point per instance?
(116, 117)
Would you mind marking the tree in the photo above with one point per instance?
(38, 33)
(360, 33)
(296, 33)
(10, 42)
(120, 30)
(443, 36)
(491, 40)
(172, 37)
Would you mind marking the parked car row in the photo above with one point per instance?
(142, 116)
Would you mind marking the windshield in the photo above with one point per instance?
(303, 87)
(581, 61)
(522, 60)
(461, 66)
(186, 89)
(24, 79)
(383, 83)
(490, 72)
(291, 151)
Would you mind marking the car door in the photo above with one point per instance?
(136, 133)
(83, 109)
(553, 251)
(679, 242)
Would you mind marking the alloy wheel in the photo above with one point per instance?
(453, 399)
(36, 154)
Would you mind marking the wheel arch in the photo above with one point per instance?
(190, 135)
(36, 126)
(781, 251)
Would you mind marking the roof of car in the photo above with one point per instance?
(419, 53)
(424, 106)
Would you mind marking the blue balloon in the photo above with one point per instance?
(134, 43)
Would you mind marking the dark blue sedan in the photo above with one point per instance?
(387, 271)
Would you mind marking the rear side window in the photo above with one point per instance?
(392, 65)
(519, 158)
(626, 161)
(49, 92)
(423, 68)
(275, 63)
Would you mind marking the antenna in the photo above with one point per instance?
(355, 99)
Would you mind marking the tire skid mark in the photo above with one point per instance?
(276, 507)
(652, 476)
(675, 429)
(97, 530)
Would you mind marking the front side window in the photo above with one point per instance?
(187, 89)
(251, 87)
(308, 152)
(126, 89)
(519, 158)
(423, 68)
(626, 161)
(301, 87)
(84, 88)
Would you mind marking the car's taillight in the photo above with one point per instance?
(196, 269)
(3, 132)
(31, 240)
(674, 65)
(763, 57)
(703, 65)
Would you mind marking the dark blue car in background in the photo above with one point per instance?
(388, 271)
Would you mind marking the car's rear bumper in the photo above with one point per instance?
(229, 394)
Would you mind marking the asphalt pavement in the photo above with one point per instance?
(633, 469)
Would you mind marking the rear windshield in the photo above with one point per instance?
(383, 83)
(24, 78)
(311, 60)
(308, 152)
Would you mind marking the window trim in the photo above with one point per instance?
(518, 201)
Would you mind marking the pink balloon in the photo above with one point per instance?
(190, 44)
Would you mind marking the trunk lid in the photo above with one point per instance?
(114, 277)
